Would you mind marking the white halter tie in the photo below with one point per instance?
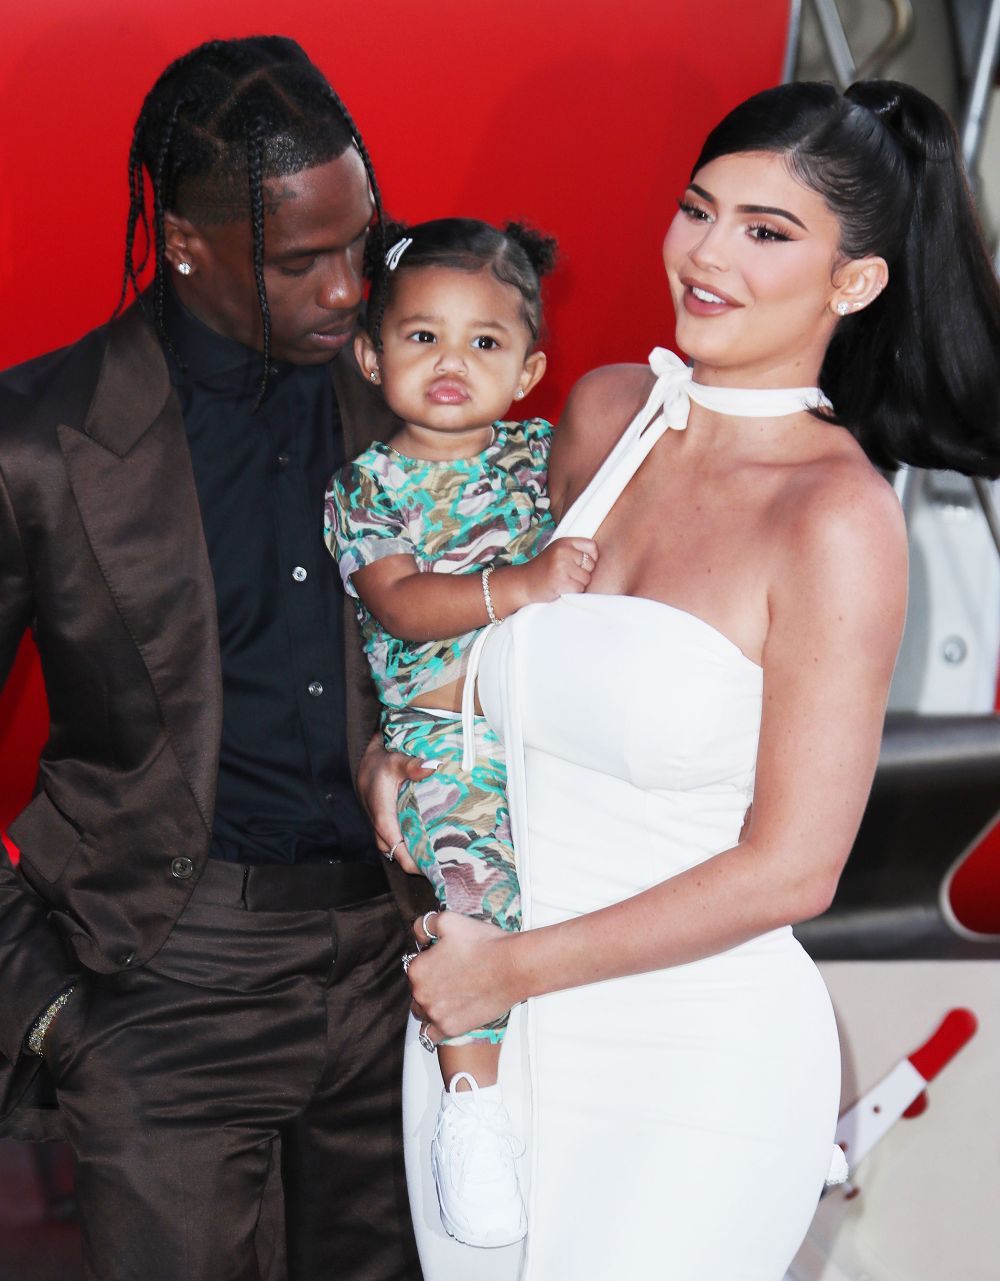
(737, 402)
(666, 408)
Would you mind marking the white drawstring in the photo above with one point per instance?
(469, 700)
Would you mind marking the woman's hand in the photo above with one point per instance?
(380, 776)
(466, 979)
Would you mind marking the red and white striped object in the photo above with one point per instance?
(901, 1092)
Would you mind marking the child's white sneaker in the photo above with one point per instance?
(473, 1153)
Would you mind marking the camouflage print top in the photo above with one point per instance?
(454, 517)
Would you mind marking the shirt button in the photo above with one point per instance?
(315, 688)
(182, 868)
(299, 574)
(283, 460)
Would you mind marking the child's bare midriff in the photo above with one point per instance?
(446, 698)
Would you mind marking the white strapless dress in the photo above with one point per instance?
(678, 1124)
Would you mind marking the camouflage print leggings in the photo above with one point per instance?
(456, 824)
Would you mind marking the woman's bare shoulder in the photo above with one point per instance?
(842, 487)
(608, 396)
(598, 409)
(842, 520)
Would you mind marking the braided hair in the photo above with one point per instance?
(517, 255)
(217, 123)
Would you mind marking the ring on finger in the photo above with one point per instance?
(425, 1040)
(391, 853)
(408, 957)
(432, 937)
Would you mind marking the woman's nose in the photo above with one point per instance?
(709, 250)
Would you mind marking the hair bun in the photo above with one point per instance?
(914, 119)
(541, 249)
(878, 96)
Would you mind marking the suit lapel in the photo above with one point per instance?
(130, 472)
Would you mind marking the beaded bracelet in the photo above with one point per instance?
(44, 1021)
(494, 618)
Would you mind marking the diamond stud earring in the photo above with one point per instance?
(374, 375)
(519, 394)
(184, 268)
(843, 308)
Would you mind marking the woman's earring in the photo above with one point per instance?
(843, 308)
(185, 268)
(374, 375)
(519, 394)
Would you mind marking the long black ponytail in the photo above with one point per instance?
(915, 376)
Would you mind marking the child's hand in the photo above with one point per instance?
(564, 568)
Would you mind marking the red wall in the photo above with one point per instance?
(582, 117)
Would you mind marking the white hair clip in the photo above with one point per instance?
(396, 252)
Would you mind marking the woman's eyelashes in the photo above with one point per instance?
(763, 232)
(694, 212)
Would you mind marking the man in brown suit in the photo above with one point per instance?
(199, 945)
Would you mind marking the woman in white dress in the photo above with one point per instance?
(735, 647)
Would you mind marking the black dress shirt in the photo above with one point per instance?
(285, 793)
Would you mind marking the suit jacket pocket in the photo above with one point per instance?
(46, 837)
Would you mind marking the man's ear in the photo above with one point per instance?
(533, 373)
(181, 242)
(367, 357)
(858, 283)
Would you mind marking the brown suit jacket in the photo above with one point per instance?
(102, 551)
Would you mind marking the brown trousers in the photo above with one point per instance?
(255, 1035)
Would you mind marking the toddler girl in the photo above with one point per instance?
(439, 532)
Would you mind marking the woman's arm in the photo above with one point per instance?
(836, 614)
(419, 606)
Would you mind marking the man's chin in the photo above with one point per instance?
(305, 356)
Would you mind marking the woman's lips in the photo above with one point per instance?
(447, 392)
(702, 301)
